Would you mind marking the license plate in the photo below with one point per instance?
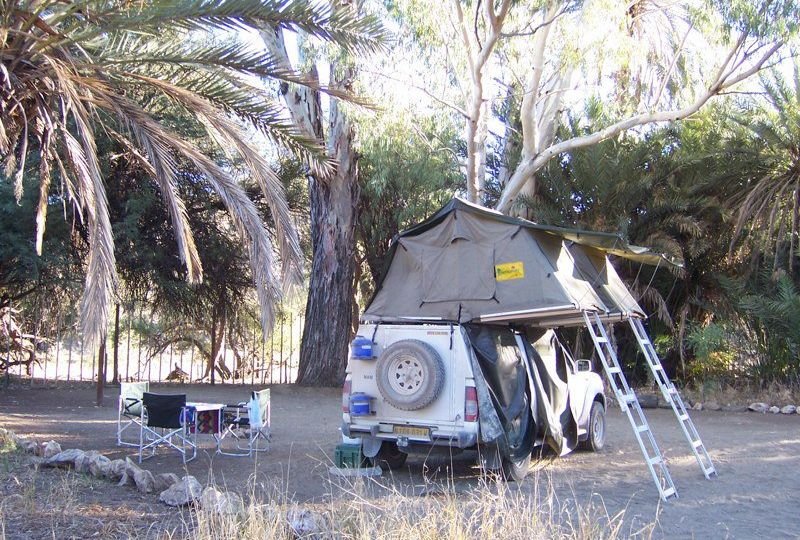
(412, 431)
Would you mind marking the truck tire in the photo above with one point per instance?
(596, 438)
(410, 374)
(389, 457)
(516, 469)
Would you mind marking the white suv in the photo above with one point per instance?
(414, 386)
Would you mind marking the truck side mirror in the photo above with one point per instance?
(584, 365)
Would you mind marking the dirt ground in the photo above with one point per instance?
(755, 495)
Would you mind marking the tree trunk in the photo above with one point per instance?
(115, 379)
(214, 350)
(101, 372)
(328, 326)
(334, 198)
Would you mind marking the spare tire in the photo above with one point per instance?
(410, 374)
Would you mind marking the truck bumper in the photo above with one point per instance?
(459, 439)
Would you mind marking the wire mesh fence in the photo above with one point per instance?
(133, 356)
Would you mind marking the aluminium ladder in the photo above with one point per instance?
(672, 397)
(629, 404)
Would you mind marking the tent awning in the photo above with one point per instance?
(609, 243)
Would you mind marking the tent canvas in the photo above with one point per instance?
(467, 263)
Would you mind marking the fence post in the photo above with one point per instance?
(36, 329)
(263, 347)
(291, 349)
(69, 362)
(8, 357)
(58, 343)
(271, 353)
(128, 347)
(80, 374)
(252, 360)
(160, 368)
(280, 365)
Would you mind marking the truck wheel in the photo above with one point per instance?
(389, 457)
(410, 374)
(516, 470)
(596, 428)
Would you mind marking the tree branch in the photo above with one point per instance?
(448, 104)
(724, 80)
(547, 22)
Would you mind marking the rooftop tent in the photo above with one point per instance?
(468, 263)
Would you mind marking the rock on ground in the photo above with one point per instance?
(125, 480)
(774, 409)
(115, 470)
(759, 407)
(98, 465)
(698, 406)
(83, 461)
(145, 481)
(131, 467)
(29, 446)
(789, 409)
(65, 458)
(166, 480)
(220, 502)
(712, 406)
(648, 401)
(50, 449)
(307, 524)
(185, 492)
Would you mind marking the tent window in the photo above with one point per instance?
(462, 271)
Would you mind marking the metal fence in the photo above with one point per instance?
(273, 360)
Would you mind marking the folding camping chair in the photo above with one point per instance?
(166, 421)
(129, 412)
(249, 424)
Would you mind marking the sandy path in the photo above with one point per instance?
(757, 456)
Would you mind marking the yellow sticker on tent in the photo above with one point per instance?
(509, 271)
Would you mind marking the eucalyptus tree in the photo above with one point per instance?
(72, 70)
(657, 62)
(670, 189)
(333, 194)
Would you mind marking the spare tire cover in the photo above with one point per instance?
(410, 374)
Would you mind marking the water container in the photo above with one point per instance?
(359, 404)
(361, 348)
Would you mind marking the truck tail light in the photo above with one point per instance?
(346, 389)
(471, 404)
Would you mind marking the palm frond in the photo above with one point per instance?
(46, 145)
(250, 226)
(75, 69)
(337, 24)
(101, 272)
(266, 117)
(238, 58)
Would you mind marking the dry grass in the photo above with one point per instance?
(491, 509)
(53, 503)
(50, 503)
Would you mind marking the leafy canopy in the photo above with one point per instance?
(74, 69)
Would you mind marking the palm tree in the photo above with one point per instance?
(769, 200)
(73, 70)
